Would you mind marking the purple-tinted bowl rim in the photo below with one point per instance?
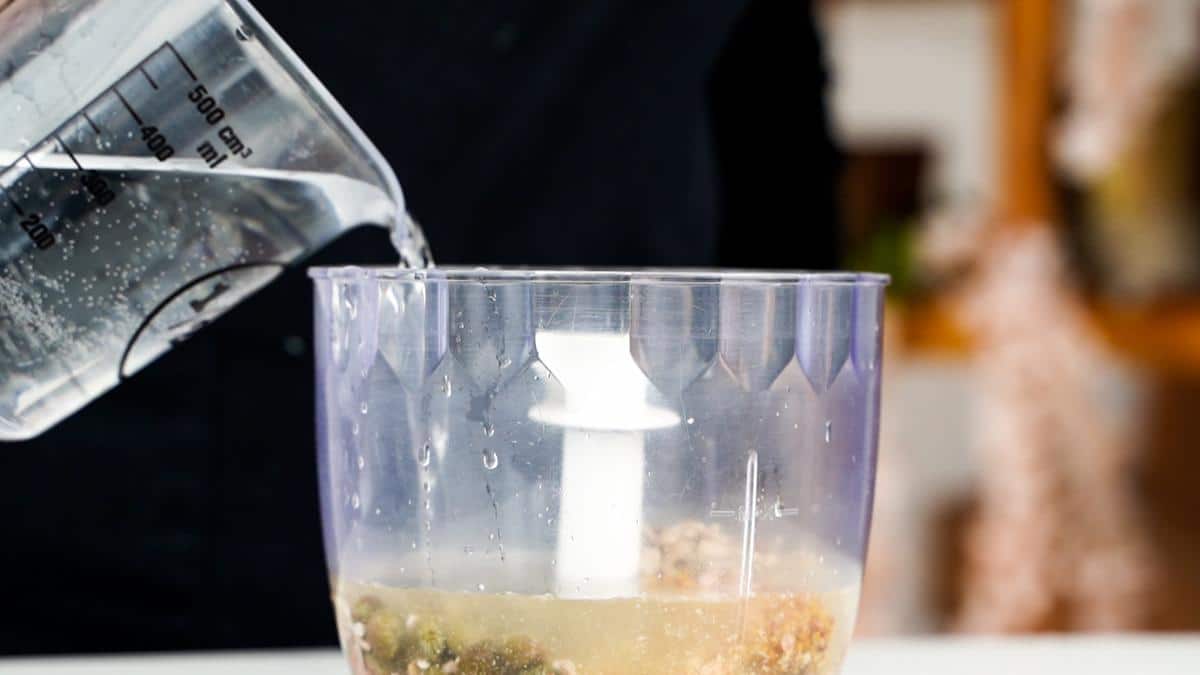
(616, 275)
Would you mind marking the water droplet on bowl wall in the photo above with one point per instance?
(490, 460)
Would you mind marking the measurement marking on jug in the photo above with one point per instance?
(37, 231)
(32, 225)
(133, 113)
(34, 228)
(92, 123)
(157, 143)
(212, 112)
(149, 79)
(96, 186)
(213, 152)
(183, 63)
(206, 105)
(68, 151)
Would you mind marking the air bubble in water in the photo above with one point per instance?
(424, 455)
(490, 460)
(481, 587)
(355, 502)
(691, 420)
(364, 407)
(362, 462)
(828, 431)
(447, 388)
(488, 429)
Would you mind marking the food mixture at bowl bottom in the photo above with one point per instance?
(427, 632)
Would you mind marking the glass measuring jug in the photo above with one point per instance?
(158, 163)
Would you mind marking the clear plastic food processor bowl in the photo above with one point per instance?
(596, 471)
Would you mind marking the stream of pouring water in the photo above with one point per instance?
(410, 243)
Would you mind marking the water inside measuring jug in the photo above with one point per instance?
(174, 247)
(157, 166)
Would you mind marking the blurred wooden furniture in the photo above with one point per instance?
(1162, 337)
(1027, 41)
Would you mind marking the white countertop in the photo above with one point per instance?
(1102, 655)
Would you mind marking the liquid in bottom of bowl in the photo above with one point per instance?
(413, 631)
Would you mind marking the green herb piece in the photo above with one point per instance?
(365, 607)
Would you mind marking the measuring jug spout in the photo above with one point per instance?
(159, 162)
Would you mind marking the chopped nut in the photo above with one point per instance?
(688, 556)
(788, 637)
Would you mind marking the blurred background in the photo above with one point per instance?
(1028, 172)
